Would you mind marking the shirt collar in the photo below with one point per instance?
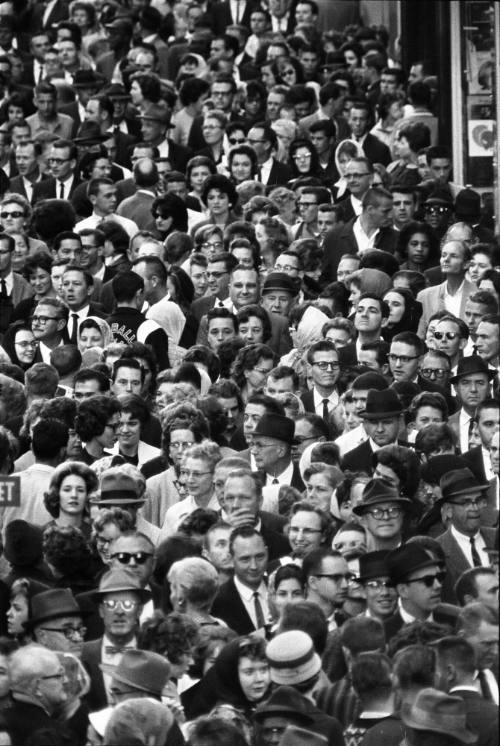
(245, 592)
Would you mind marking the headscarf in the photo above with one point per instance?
(371, 281)
(341, 184)
(103, 327)
(410, 318)
(9, 346)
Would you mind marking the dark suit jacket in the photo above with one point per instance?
(346, 209)
(341, 240)
(280, 173)
(221, 15)
(124, 144)
(376, 151)
(95, 309)
(456, 561)
(16, 185)
(434, 276)
(23, 718)
(59, 13)
(20, 289)
(178, 155)
(91, 658)
(476, 463)
(444, 613)
(359, 459)
(481, 716)
(229, 607)
(296, 480)
(47, 189)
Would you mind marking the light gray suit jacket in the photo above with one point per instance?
(432, 300)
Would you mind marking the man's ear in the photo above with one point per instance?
(385, 321)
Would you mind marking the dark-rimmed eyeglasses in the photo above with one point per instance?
(392, 512)
(438, 373)
(68, 633)
(378, 585)
(337, 577)
(324, 365)
(450, 336)
(44, 319)
(401, 358)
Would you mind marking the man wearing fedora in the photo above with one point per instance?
(436, 713)
(463, 500)
(271, 446)
(86, 84)
(456, 675)
(100, 109)
(278, 293)
(382, 513)
(155, 123)
(286, 706)
(472, 384)
(382, 418)
(56, 621)
(381, 596)
(120, 600)
(418, 578)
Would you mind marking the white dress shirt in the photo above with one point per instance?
(94, 221)
(463, 542)
(357, 205)
(365, 243)
(463, 423)
(82, 314)
(283, 478)
(351, 439)
(247, 597)
(407, 617)
(237, 10)
(333, 402)
(9, 282)
(452, 303)
(112, 659)
(45, 351)
(265, 170)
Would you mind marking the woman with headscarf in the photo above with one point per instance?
(344, 152)
(405, 313)
(94, 332)
(20, 345)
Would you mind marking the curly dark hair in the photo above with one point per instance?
(52, 499)
(65, 548)
(247, 358)
(184, 416)
(93, 416)
(171, 635)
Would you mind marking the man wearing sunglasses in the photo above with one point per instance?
(451, 335)
(120, 599)
(418, 578)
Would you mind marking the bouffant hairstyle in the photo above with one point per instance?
(247, 358)
(171, 636)
(65, 548)
(223, 184)
(93, 415)
(66, 469)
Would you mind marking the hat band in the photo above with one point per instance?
(432, 720)
(292, 663)
(119, 495)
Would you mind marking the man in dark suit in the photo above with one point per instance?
(464, 543)
(324, 361)
(263, 139)
(155, 123)
(63, 158)
(372, 229)
(479, 459)
(456, 675)
(120, 600)
(86, 84)
(359, 122)
(225, 13)
(242, 601)
(77, 287)
(418, 577)
(381, 420)
(271, 446)
(44, 17)
(241, 502)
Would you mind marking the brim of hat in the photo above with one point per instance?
(463, 735)
(112, 671)
(491, 374)
(290, 676)
(117, 497)
(119, 97)
(30, 623)
(270, 710)
(144, 594)
(465, 491)
(372, 575)
(92, 140)
(362, 507)
(379, 415)
(431, 562)
(89, 84)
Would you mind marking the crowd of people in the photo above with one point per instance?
(249, 417)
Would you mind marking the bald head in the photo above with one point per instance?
(145, 173)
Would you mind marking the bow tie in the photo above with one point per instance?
(112, 650)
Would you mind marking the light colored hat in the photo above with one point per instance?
(292, 658)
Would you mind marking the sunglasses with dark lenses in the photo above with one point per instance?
(140, 558)
(429, 580)
(450, 336)
(236, 141)
(436, 210)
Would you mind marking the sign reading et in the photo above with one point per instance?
(10, 492)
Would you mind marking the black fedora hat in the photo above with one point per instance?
(469, 366)
(380, 491)
(285, 701)
(373, 565)
(279, 281)
(407, 559)
(88, 79)
(379, 404)
(90, 134)
(459, 482)
(276, 426)
(52, 604)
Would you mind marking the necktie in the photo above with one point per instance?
(3, 288)
(475, 554)
(61, 190)
(259, 614)
(74, 329)
(325, 410)
(40, 74)
(275, 481)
